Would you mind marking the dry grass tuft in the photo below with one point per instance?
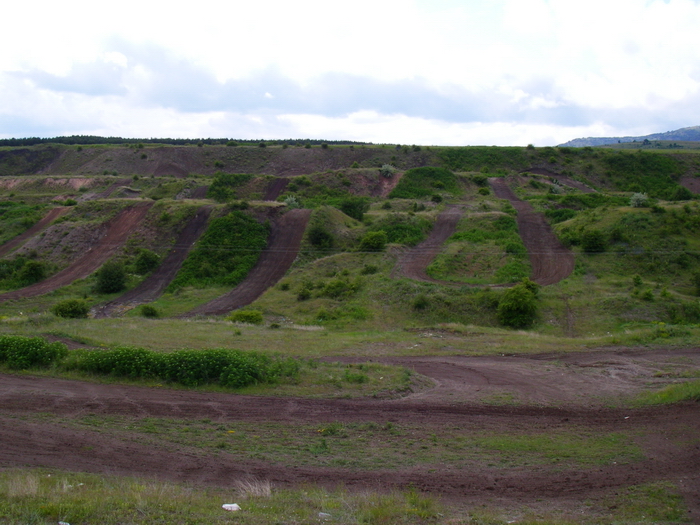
(23, 485)
(253, 487)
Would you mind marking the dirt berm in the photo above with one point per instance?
(282, 248)
(155, 284)
(117, 231)
(551, 261)
(51, 216)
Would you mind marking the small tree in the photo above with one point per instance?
(111, 278)
(373, 241)
(146, 261)
(639, 200)
(517, 307)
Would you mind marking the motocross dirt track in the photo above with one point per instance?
(117, 231)
(412, 264)
(12, 244)
(282, 248)
(154, 285)
(34, 443)
(551, 261)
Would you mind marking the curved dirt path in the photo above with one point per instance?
(282, 248)
(412, 264)
(15, 243)
(154, 285)
(117, 231)
(40, 443)
(551, 261)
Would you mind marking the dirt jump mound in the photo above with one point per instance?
(117, 231)
(282, 248)
(551, 261)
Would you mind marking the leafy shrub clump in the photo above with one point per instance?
(420, 182)
(320, 237)
(402, 228)
(71, 309)
(639, 200)
(146, 261)
(21, 353)
(149, 311)
(21, 271)
(111, 277)
(224, 254)
(229, 368)
(517, 307)
(594, 241)
(223, 187)
(373, 241)
(246, 316)
(387, 170)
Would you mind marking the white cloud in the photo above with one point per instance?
(462, 65)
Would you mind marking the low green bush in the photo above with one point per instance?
(149, 311)
(517, 307)
(111, 277)
(229, 368)
(71, 309)
(246, 316)
(146, 261)
(21, 353)
(373, 241)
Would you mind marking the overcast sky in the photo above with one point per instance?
(432, 72)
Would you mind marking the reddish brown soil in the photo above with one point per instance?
(112, 188)
(282, 248)
(412, 264)
(673, 457)
(692, 183)
(53, 214)
(275, 188)
(551, 261)
(116, 232)
(200, 192)
(154, 285)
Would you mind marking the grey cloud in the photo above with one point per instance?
(95, 79)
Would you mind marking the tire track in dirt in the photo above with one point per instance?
(154, 285)
(46, 444)
(413, 263)
(551, 261)
(15, 243)
(282, 248)
(117, 231)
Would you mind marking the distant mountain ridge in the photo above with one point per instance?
(691, 134)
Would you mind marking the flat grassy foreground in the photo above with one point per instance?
(48, 497)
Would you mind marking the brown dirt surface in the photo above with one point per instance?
(51, 216)
(551, 261)
(200, 192)
(692, 183)
(155, 284)
(412, 264)
(673, 456)
(282, 248)
(275, 188)
(116, 232)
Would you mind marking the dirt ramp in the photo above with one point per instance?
(551, 261)
(414, 262)
(154, 285)
(282, 248)
(15, 243)
(276, 188)
(562, 179)
(200, 192)
(117, 231)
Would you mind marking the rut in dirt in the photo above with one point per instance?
(413, 263)
(281, 251)
(117, 230)
(551, 261)
(275, 188)
(45, 444)
(155, 284)
(15, 243)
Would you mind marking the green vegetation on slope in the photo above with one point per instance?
(225, 253)
(424, 182)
